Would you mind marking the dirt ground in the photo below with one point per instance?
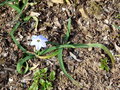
(92, 22)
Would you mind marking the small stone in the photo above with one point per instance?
(106, 21)
(105, 38)
(10, 79)
(36, 14)
(63, 9)
(89, 49)
(5, 54)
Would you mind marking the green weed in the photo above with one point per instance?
(56, 49)
(104, 64)
(42, 81)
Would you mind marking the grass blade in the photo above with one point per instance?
(5, 2)
(47, 56)
(14, 39)
(20, 64)
(14, 7)
(106, 50)
(68, 28)
(47, 50)
(21, 11)
(63, 68)
(74, 46)
(52, 43)
(67, 35)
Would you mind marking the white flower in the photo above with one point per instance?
(38, 41)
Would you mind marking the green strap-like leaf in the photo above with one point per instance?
(21, 11)
(52, 43)
(62, 64)
(81, 46)
(68, 28)
(22, 61)
(67, 35)
(20, 64)
(47, 50)
(106, 50)
(48, 56)
(14, 39)
(14, 7)
(27, 18)
(63, 68)
(5, 2)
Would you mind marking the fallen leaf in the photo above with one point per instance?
(117, 47)
(83, 13)
(36, 14)
(57, 1)
(67, 1)
(34, 66)
(2, 61)
(74, 57)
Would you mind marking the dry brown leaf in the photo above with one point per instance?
(74, 57)
(68, 2)
(36, 14)
(117, 47)
(83, 13)
(2, 61)
(34, 66)
(57, 1)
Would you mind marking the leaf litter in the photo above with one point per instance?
(52, 23)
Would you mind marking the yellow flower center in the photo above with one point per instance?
(38, 40)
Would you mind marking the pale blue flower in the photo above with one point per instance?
(38, 41)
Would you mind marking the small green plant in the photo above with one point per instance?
(56, 49)
(104, 64)
(42, 81)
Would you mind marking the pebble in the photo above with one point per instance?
(106, 21)
(10, 79)
(5, 54)
(63, 9)
(105, 38)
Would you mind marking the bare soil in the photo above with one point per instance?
(95, 24)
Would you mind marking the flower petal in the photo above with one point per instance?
(38, 41)
(38, 47)
(34, 37)
(32, 43)
(42, 38)
(43, 44)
